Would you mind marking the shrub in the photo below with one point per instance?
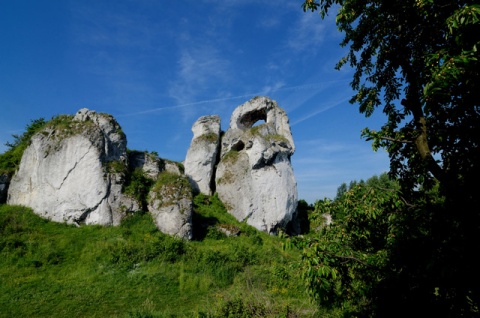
(138, 185)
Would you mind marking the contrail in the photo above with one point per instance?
(153, 110)
(296, 87)
(321, 110)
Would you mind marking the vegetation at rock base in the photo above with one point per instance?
(399, 247)
(377, 246)
(138, 185)
(49, 269)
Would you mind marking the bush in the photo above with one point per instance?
(138, 185)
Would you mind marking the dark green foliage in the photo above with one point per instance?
(209, 212)
(137, 185)
(343, 263)
(214, 233)
(341, 190)
(238, 309)
(384, 256)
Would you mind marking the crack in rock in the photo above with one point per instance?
(81, 219)
(73, 168)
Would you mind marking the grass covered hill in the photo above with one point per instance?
(49, 269)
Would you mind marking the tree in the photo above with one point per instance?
(341, 190)
(376, 258)
(418, 61)
(344, 262)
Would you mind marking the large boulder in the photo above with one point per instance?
(202, 154)
(254, 178)
(73, 171)
(170, 202)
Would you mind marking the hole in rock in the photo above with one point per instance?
(254, 118)
(238, 146)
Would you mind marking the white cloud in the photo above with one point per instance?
(307, 33)
(199, 68)
(268, 89)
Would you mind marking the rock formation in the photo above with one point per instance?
(170, 203)
(202, 154)
(68, 173)
(77, 170)
(151, 164)
(254, 178)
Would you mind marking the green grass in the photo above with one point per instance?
(55, 270)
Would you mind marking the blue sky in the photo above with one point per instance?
(157, 66)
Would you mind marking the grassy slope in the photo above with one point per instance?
(55, 270)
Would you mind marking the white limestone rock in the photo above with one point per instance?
(68, 173)
(170, 202)
(202, 154)
(254, 178)
(151, 164)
